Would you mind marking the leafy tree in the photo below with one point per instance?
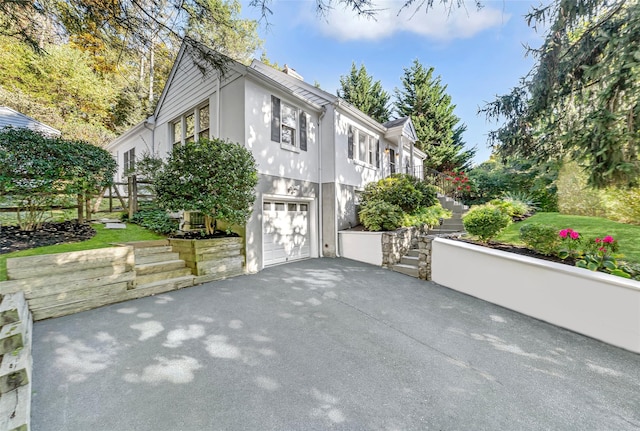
(214, 177)
(359, 89)
(36, 170)
(582, 98)
(423, 97)
(523, 178)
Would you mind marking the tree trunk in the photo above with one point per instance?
(80, 203)
(87, 205)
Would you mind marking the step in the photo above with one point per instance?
(152, 268)
(452, 225)
(413, 253)
(146, 244)
(157, 257)
(146, 251)
(441, 231)
(160, 276)
(409, 260)
(406, 269)
(157, 287)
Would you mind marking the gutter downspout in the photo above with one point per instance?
(218, 107)
(335, 180)
(320, 202)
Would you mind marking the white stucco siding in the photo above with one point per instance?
(353, 172)
(232, 111)
(273, 158)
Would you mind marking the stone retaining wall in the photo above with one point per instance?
(424, 243)
(397, 243)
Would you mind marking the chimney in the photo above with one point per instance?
(291, 72)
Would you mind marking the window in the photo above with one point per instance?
(392, 161)
(204, 122)
(177, 132)
(368, 149)
(363, 147)
(279, 206)
(304, 207)
(266, 206)
(190, 128)
(291, 207)
(129, 162)
(288, 124)
(187, 129)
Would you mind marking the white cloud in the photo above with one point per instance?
(438, 23)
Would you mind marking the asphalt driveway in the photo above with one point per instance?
(324, 344)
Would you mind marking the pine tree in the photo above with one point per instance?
(359, 89)
(423, 97)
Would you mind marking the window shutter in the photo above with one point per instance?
(303, 131)
(132, 159)
(350, 143)
(125, 168)
(378, 154)
(275, 119)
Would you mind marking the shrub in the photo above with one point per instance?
(429, 192)
(541, 238)
(396, 190)
(377, 215)
(485, 221)
(155, 220)
(214, 177)
(514, 209)
(426, 216)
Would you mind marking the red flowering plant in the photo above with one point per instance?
(457, 182)
(596, 254)
(570, 247)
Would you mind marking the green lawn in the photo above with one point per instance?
(103, 238)
(628, 236)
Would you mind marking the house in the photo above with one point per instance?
(13, 118)
(315, 152)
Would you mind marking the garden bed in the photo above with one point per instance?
(12, 238)
(595, 304)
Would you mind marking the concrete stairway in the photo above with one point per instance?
(453, 224)
(156, 265)
(408, 264)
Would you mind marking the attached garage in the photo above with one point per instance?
(286, 231)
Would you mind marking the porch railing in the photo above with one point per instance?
(442, 182)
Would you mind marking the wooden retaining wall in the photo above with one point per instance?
(15, 363)
(65, 283)
(211, 259)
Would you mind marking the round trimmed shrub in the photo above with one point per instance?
(541, 238)
(485, 221)
(377, 215)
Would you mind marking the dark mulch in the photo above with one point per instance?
(14, 239)
(195, 234)
(518, 250)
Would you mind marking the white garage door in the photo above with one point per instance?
(285, 231)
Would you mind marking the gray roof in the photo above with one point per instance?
(300, 88)
(12, 118)
(397, 122)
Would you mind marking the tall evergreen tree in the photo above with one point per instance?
(582, 97)
(359, 89)
(423, 97)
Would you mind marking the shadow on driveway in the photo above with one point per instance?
(324, 344)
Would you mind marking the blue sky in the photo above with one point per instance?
(478, 54)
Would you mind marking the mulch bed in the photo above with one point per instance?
(194, 234)
(14, 239)
(518, 250)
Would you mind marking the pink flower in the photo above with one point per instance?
(598, 240)
(574, 234)
(563, 233)
(608, 239)
(602, 249)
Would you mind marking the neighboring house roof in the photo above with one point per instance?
(13, 118)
